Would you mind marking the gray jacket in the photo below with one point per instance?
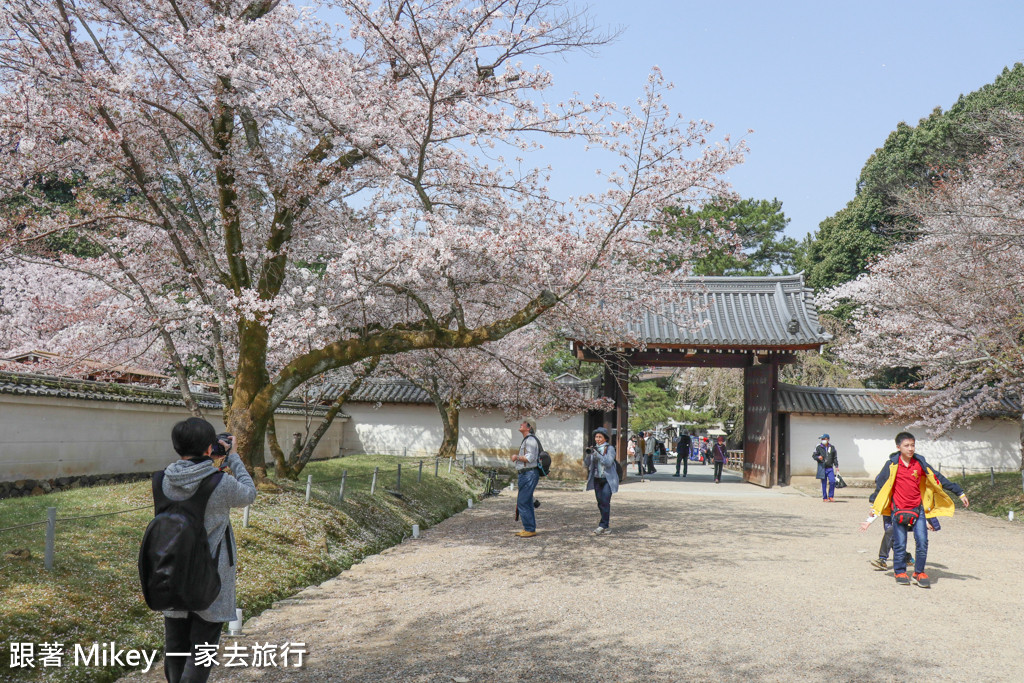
(606, 460)
(181, 479)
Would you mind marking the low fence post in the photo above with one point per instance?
(473, 455)
(245, 517)
(405, 451)
(992, 474)
(437, 463)
(419, 475)
(398, 479)
(51, 537)
(450, 465)
(309, 487)
(1022, 480)
(341, 489)
(373, 483)
(963, 472)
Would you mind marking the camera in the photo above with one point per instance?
(218, 447)
(589, 450)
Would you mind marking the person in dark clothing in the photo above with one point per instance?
(828, 461)
(719, 455)
(193, 440)
(683, 452)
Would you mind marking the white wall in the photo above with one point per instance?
(863, 444)
(417, 429)
(50, 437)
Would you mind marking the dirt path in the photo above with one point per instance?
(697, 582)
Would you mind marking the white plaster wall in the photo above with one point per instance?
(864, 444)
(417, 428)
(50, 437)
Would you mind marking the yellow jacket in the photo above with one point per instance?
(935, 501)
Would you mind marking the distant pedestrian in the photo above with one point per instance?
(602, 477)
(683, 452)
(526, 465)
(652, 448)
(828, 462)
(719, 455)
(196, 474)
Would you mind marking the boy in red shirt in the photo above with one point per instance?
(908, 487)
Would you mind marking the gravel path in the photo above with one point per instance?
(697, 582)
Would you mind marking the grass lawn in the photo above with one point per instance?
(93, 593)
(995, 499)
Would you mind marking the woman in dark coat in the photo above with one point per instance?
(719, 455)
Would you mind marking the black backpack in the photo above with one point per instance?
(543, 458)
(175, 566)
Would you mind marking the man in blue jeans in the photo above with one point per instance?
(526, 465)
(908, 487)
(828, 460)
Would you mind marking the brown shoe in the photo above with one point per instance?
(526, 534)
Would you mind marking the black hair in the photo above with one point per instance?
(903, 436)
(193, 436)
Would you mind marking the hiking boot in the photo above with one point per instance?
(531, 534)
(902, 579)
(880, 564)
(599, 530)
(922, 580)
(831, 500)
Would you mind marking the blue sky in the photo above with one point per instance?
(821, 83)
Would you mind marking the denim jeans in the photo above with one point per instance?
(899, 544)
(718, 470)
(828, 484)
(603, 493)
(527, 483)
(681, 459)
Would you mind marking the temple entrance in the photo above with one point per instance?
(753, 323)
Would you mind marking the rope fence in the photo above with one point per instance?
(441, 466)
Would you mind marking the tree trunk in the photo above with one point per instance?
(1021, 440)
(280, 463)
(450, 420)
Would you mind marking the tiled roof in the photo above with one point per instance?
(747, 312)
(386, 390)
(831, 401)
(28, 384)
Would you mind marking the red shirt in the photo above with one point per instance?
(906, 490)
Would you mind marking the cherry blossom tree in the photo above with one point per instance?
(273, 197)
(505, 375)
(950, 302)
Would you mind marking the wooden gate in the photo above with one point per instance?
(759, 438)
